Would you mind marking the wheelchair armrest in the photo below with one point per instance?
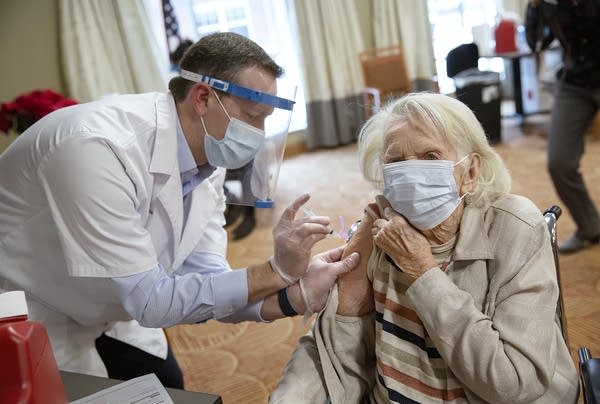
(589, 369)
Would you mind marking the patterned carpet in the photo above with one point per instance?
(243, 362)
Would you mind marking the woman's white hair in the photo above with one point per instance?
(452, 120)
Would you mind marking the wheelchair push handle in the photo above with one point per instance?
(555, 210)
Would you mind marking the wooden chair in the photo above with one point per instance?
(384, 75)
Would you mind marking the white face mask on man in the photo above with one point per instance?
(423, 191)
(237, 148)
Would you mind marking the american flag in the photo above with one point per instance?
(171, 26)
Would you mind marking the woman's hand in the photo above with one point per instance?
(404, 244)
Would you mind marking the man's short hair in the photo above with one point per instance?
(222, 55)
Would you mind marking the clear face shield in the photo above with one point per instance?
(254, 184)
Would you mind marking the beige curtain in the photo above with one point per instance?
(107, 47)
(406, 22)
(332, 33)
(330, 40)
(513, 6)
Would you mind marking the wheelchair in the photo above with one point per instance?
(589, 367)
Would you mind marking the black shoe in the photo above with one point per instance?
(247, 225)
(232, 212)
(574, 244)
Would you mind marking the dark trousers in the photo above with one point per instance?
(573, 111)
(125, 362)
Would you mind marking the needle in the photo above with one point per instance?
(309, 212)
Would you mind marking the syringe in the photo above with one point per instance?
(309, 212)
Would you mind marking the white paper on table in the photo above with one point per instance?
(141, 390)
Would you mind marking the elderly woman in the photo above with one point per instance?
(456, 302)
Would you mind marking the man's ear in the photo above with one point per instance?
(199, 95)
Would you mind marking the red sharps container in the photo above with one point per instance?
(28, 371)
(505, 34)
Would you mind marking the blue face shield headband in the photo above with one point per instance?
(239, 91)
(263, 170)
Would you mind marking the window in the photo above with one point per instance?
(452, 24)
(266, 22)
(219, 16)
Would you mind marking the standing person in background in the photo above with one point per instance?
(112, 211)
(178, 53)
(234, 211)
(576, 24)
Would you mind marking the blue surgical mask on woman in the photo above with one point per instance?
(423, 191)
(237, 148)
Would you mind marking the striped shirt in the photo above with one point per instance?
(409, 367)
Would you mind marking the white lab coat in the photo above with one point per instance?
(120, 214)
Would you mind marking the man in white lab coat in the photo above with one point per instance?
(113, 210)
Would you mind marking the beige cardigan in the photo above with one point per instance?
(492, 319)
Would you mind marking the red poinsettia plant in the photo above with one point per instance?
(22, 112)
